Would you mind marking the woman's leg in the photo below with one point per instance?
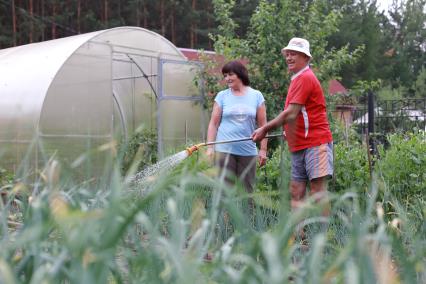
(246, 173)
(227, 165)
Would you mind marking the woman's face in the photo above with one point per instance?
(232, 80)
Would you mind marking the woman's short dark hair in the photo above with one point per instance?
(238, 69)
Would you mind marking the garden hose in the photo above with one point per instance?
(194, 148)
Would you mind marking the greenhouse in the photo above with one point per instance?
(73, 95)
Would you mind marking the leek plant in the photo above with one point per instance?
(189, 226)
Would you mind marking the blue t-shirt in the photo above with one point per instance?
(238, 121)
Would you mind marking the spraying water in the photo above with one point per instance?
(164, 165)
(170, 162)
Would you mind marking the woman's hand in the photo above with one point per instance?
(210, 154)
(262, 157)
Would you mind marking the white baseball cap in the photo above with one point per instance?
(298, 44)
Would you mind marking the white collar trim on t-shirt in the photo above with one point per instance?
(300, 72)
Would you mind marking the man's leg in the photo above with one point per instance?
(297, 192)
(318, 188)
(319, 161)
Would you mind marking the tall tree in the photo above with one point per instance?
(410, 40)
(42, 14)
(105, 7)
(193, 35)
(172, 21)
(14, 30)
(359, 25)
(272, 26)
(243, 9)
(53, 25)
(79, 16)
(370, 36)
(162, 17)
(30, 10)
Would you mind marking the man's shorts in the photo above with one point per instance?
(311, 163)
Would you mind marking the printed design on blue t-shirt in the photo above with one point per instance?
(239, 113)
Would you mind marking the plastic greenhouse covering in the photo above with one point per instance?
(79, 94)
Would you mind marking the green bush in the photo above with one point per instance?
(271, 176)
(351, 168)
(140, 150)
(6, 177)
(402, 166)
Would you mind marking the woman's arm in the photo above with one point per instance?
(261, 121)
(215, 119)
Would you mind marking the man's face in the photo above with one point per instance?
(295, 60)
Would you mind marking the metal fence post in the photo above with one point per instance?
(371, 117)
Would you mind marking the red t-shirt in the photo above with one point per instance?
(311, 127)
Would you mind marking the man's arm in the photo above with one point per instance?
(286, 116)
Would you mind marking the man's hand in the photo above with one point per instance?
(258, 134)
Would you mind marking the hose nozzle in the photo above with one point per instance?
(194, 148)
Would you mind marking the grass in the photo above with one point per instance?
(55, 230)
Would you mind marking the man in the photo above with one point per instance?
(306, 126)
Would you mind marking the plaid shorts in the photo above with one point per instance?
(311, 163)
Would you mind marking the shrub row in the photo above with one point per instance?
(400, 166)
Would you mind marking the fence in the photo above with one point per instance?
(376, 118)
(396, 115)
(384, 116)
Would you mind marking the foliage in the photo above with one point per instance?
(179, 233)
(139, 151)
(389, 93)
(210, 77)
(6, 177)
(271, 27)
(186, 23)
(393, 43)
(420, 84)
(348, 98)
(409, 40)
(271, 177)
(189, 226)
(362, 87)
(344, 134)
(351, 168)
(225, 41)
(402, 166)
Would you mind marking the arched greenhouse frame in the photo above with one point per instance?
(72, 95)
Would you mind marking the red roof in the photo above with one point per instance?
(335, 87)
(194, 54)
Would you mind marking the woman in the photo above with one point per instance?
(237, 111)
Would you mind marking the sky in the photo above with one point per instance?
(384, 4)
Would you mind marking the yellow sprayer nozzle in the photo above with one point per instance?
(194, 148)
